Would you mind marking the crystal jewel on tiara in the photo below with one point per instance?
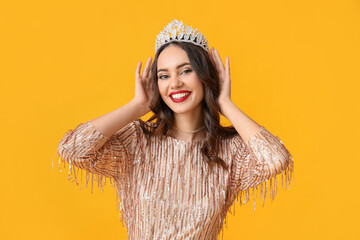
(177, 31)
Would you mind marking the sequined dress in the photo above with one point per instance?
(165, 189)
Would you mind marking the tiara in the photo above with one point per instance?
(177, 31)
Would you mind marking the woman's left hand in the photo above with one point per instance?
(224, 76)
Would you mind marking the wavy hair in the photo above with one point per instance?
(164, 117)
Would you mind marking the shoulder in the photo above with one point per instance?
(134, 133)
(234, 142)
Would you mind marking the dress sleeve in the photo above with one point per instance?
(88, 149)
(257, 162)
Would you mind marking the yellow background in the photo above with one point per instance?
(294, 69)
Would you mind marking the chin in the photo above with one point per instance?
(178, 110)
(183, 109)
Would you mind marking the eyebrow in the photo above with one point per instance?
(178, 66)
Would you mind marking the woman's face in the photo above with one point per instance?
(179, 85)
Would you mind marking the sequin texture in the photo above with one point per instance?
(164, 187)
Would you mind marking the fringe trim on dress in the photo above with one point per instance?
(73, 176)
(261, 189)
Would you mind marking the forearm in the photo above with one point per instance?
(112, 122)
(244, 125)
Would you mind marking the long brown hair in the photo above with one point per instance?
(204, 68)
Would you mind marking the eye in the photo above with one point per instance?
(187, 70)
(161, 77)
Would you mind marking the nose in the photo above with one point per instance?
(175, 82)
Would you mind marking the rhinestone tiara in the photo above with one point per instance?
(177, 31)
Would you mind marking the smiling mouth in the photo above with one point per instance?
(179, 97)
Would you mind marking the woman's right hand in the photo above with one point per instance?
(143, 86)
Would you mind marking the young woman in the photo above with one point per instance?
(178, 173)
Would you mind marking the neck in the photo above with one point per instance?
(190, 121)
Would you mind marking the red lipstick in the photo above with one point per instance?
(180, 99)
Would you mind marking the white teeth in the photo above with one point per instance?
(180, 95)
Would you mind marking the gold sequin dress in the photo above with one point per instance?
(165, 189)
